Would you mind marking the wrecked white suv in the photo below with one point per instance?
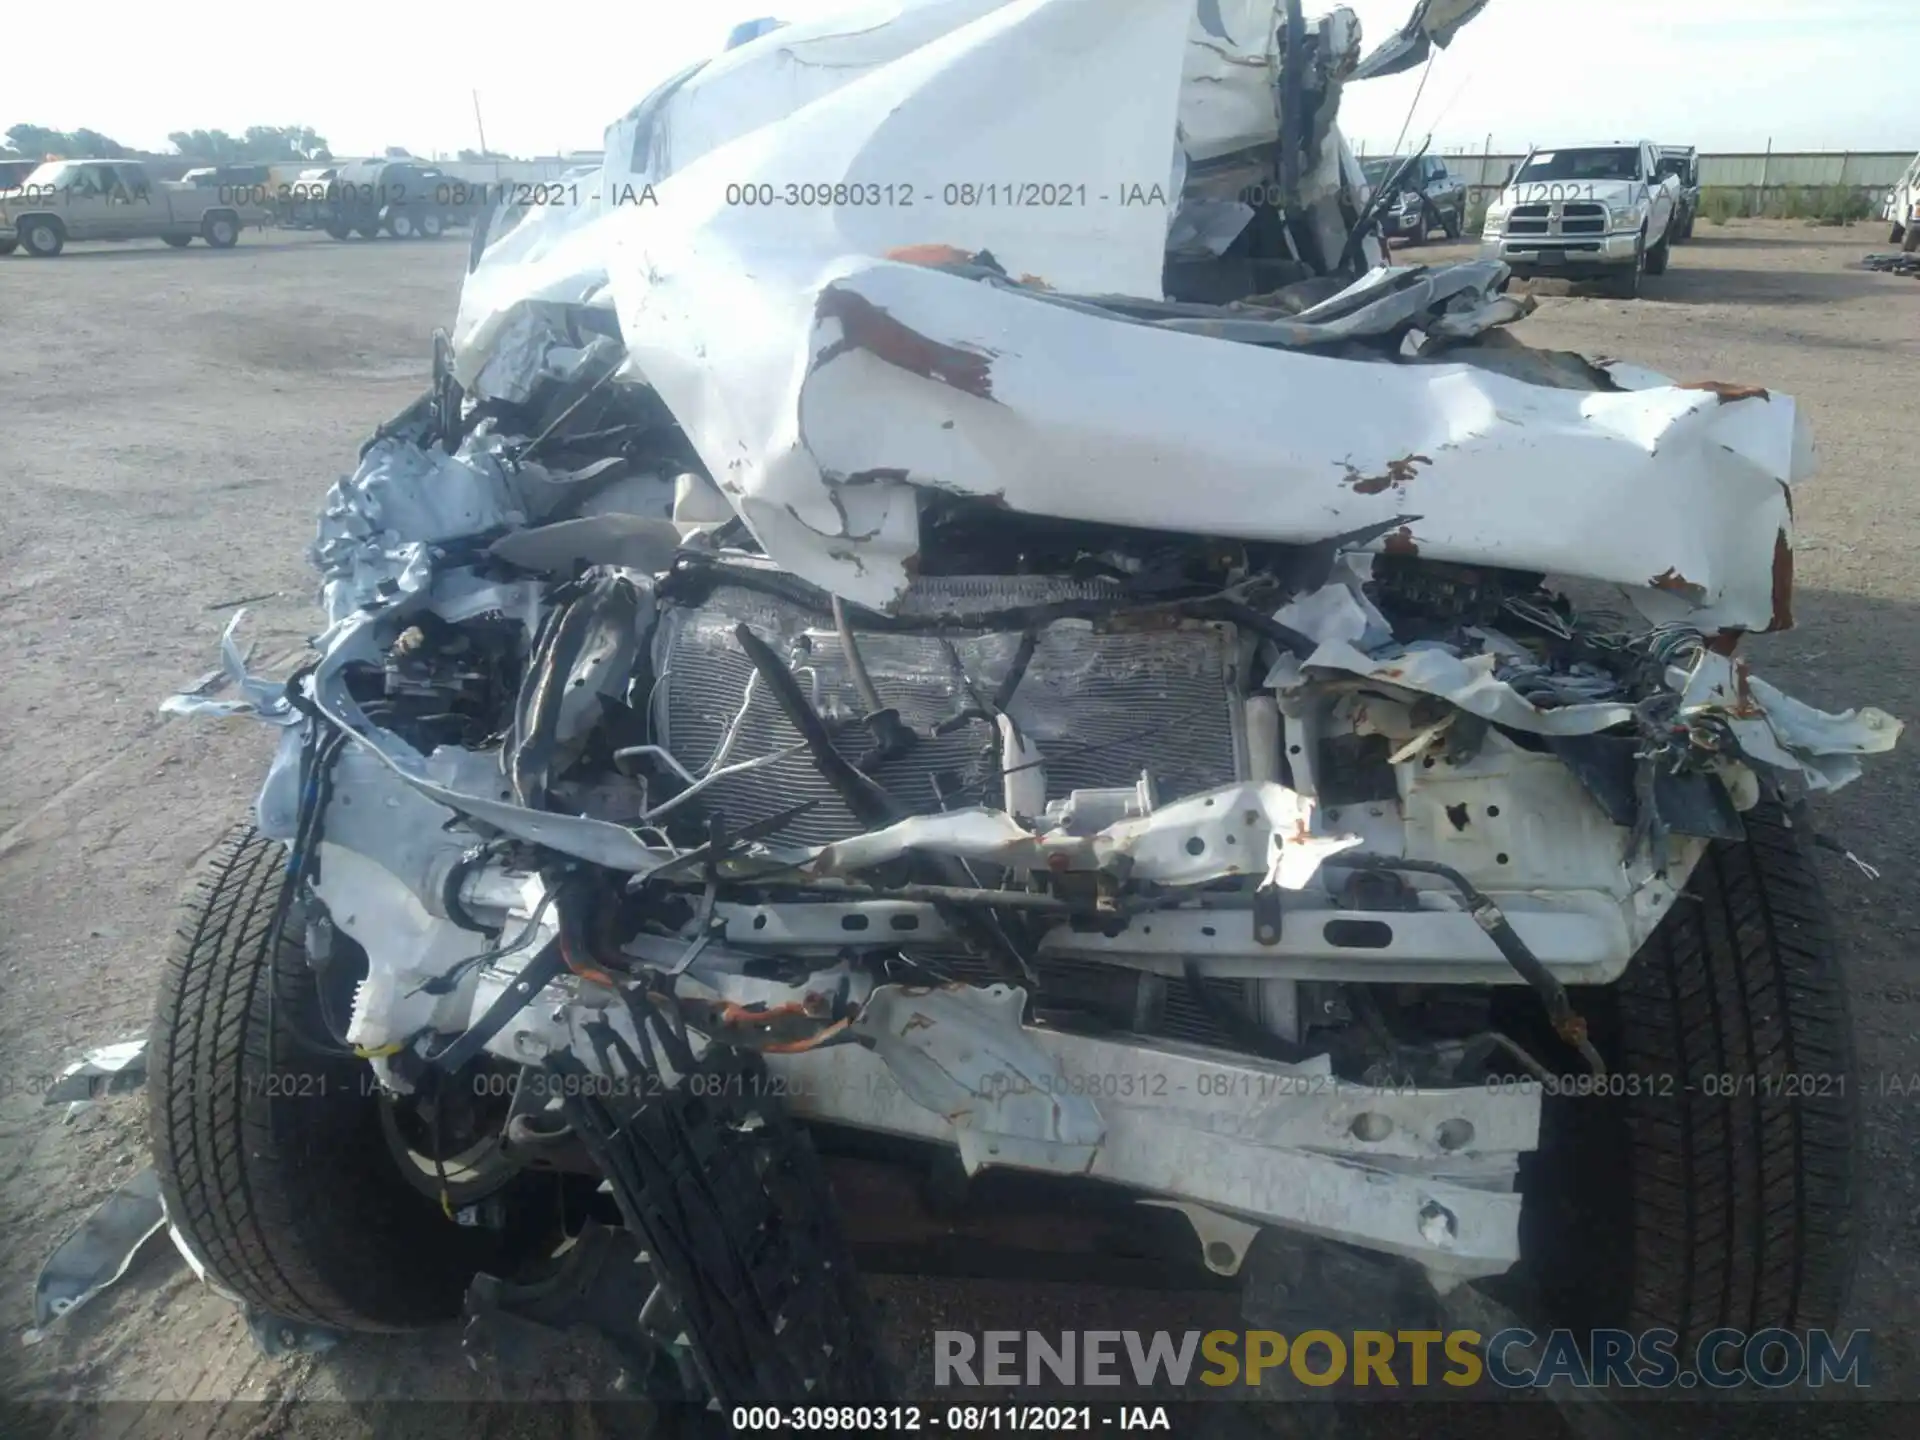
(939, 616)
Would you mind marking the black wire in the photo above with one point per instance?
(444, 982)
(319, 751)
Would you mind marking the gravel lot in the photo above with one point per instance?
(168, 422)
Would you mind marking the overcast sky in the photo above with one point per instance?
(1720, 74)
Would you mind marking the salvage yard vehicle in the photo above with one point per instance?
(1902, 209)
(1588, 212)
(66, 200)
(1682, 162)
(301, 203)
(12, 172)
(257, 178)
(874, 676)
(401, 198)
(1427, 197)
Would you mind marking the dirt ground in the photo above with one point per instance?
(168, 423)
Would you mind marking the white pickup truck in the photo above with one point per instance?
(1586, 212)
(116, 200)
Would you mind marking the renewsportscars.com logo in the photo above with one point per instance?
(1651, 1359)
(1513, 1359)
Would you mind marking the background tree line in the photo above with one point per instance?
(214, 147)
(261, 143)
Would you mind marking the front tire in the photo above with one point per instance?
(431, 225)
(43, 238)
(272, 1155)
(1453, 222)
(1627, 285)
(1658, 256)
(7, 247)
(1721, 1193)
(1912, 242)
(401, 226)
(178, 242)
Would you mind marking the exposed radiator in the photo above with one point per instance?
(1101, 706)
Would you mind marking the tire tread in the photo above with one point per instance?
(1751, 1189)
(289, 1199)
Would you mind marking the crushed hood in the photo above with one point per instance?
(834, 364)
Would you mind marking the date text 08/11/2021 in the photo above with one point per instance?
(296, 1083)
(961, 1419)
(967, 194)
(961, 194)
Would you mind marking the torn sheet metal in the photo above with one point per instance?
(1203, 229)
(264, 699)
(635, 542)
(402, 498)
(1769, 727)
(864, 380)
(961, 1052)
(535, 343)
(1469, 681)
(980, 391)
(1777, 730)
(1229, 96)
(1251, 829)
(1341, 609)
(560, 253)
(1460, 300)
(1389, 297)
(112, 1069)
(915, 122)
(464, 781)
(1227, 83)
(552, 256)
(1432, 25)
(557, 253)
(100, 1251)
